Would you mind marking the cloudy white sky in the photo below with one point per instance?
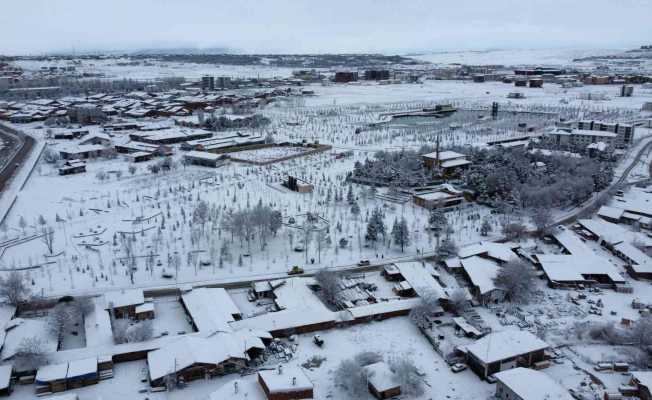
(300, 26)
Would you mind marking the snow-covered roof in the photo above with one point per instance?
(19, 328)
(291, 379)
(248, 389)
(455, 163)
(123, 298)
(576, 268)
(481, 272)
(187, 351)
(5, 376)
(506, 344)
(295, 293)
(610, 212)
(607, 231)
(381, 376)
(7, 312)
(52, 372)
(444, 155)
(145, 307)
(83, 367)
(499, 251)
(641, 262)
(202, 155)
(82, 148)
(644, 378)
(421, 279)
(286, 319)
(583, 132)
(570, 241)
(383, 307)
(211, 309)
(529, 384)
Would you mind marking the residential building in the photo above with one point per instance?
(528, 384)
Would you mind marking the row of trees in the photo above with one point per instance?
(244, 224)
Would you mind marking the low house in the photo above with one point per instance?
(5, 379)
(145, 311)
(82, 373)
(382, 381)
(441, 197)
(72, 167)
(642, 380)
(528, 384)
(141, 156)
(97, 139)
(203, 158)
(81, 152)
(500, 351)
(481, 272)
(638, 264)
(123, 303)
(191, 358)
(448, 161)
(51, 378)
(210, 309)
(285, 384)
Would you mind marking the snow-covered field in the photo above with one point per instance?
(90, 213)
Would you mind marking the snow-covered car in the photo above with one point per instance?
(459, 367)
(295, 270)
(364, 263)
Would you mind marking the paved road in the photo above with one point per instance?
(644, 147)
(17, 160)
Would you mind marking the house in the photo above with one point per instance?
(285, 383)
(145, 311)
(81, 152)
(72, 167)
(210, 309)
(500, 351)
(441, 197)
(203, 158)
(563, 270)
(448, 161)
(298, 185)
(528, 384)
(382, 380)
(97, 139)
(422, 279)
(141, 156)
(481, 272)
(51, 378)
(82, 373)
(190, 358)
(123, 302)
(642, 380)
(5, 379)
(638, 264)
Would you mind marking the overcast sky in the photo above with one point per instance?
(301, 26)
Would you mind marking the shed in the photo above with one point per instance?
(82, 373)
(145, 311)
(51, 378)
(382, 380)
(285, 384)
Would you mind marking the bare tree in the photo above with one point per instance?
(407, 376)
(329, 282)
(30, 354)
(517, 279)
(14, 289)
(542, 218)
(140, 332)
(48, 238)
(514, 231)
(458, 301)
(422, 312)
(58, 319)
(128, 247)
(353, 378)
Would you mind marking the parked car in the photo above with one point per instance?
(295, 270)
(364, 263)
(459, 367)
(491, 379)
(318, 340)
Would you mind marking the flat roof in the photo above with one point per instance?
(5, 376)
(381, 377)
(283, 382)
(202, 155)
(123, 298)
